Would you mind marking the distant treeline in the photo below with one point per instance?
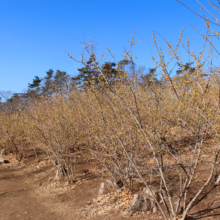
(91, 76)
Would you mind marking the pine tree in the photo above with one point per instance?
(47, 89)
(34, 88)
(108, 73)
(185, 68)
(60, 83)
(149, 79)
(88, 76)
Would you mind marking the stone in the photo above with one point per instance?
(2, 160)
(147, 205)
(2, 152)
(217, 179)
(153, 192)
(101, 189)
(112, 184)
(139, 203)
(143, 201)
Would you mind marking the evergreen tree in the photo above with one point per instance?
(149, 79)
(189, 69)
(47, 89)
(35, 84)
(34, 87)
(14, 97)
(88, 76)
(185, 68)
(110, 73)
(60, 82)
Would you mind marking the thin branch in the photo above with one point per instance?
(198, 14)
(204, 185)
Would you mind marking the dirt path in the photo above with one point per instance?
(26, 193)
(16, 197)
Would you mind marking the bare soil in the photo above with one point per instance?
(28, 191)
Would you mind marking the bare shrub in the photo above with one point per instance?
(163, 134)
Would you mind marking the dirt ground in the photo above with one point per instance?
(28, 192)
(16, 197)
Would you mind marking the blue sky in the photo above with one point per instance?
(35, 35)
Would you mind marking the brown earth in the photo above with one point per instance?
(28, 192)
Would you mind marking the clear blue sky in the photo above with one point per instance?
(35, 34)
